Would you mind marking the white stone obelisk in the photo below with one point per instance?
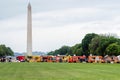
(29, 30)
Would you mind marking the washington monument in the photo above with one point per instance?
(29, 30)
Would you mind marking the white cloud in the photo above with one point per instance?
(66, 15)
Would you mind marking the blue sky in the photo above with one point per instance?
(56, 22)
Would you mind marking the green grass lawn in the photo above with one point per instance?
(59, 71)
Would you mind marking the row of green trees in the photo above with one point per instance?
(5, 51)
(107, 44)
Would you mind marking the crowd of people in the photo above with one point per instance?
(63, 58)
(105, 59)
(9, 59)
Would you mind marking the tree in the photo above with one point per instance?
(51, 53)
(64, 50)
(99, 44)
(105, 42)
(9, 51)
(86, 41)
(77, 49)
(5, 51)
(113, 49)
(94, 45)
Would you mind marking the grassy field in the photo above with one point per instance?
(59, 71)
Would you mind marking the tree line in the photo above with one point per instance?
(96, 44)
(5, 51)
